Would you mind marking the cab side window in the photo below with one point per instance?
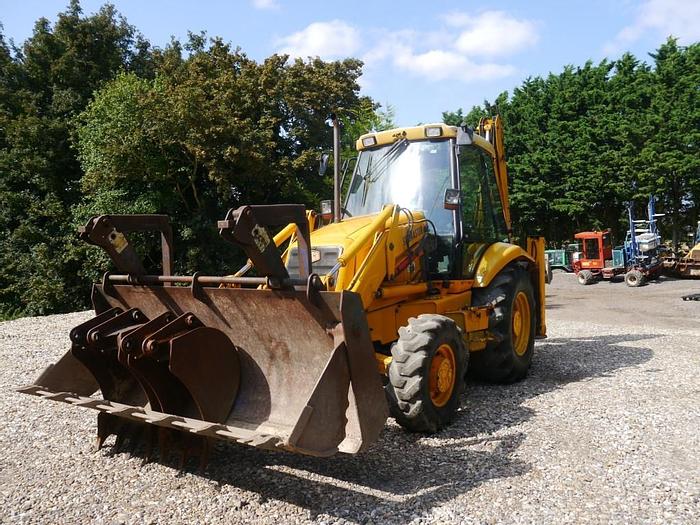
(591, 248)
(482, 213)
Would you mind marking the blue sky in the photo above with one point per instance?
(420, 57)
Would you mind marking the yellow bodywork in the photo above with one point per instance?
(496, 257)
(382, 253)
(384, 268)
(694, 253)
(380, 265)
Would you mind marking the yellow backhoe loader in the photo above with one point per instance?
(377, 306)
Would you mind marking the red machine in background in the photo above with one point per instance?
(597, 260)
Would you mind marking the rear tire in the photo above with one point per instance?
(585, 277)
(634, 278)
(426, 374)
(512, 323)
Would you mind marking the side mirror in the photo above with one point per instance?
(464, 136)
(323, 164)
(452, 199)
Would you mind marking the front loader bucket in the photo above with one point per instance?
(277, 369)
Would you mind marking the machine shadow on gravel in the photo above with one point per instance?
(412, 471)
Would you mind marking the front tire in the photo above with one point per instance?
(634, 278)
(426, 374)
(585, 277)
(508, 356)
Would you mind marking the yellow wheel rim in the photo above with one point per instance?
(521, 324)
(442, 375)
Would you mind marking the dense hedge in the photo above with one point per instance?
(584, 142)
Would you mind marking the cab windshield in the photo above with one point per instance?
(413, 175)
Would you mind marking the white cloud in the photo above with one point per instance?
(438, 64)
(334, 39)
(663, 18)
(463, 49)
(265, 4)
(387, 46)
(492, 33)
(431, 56)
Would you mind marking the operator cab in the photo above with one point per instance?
(414, 168)
(596, 250)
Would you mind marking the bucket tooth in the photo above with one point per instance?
(134, 437)
(183, 458)
(151, 437)
(205, 454)
(126, 431)
(165, 438)
(195, 447)
(107, 425)
(179, 443)
(119, 443)
(188, 447)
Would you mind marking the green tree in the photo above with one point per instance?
(188, 130)
(453, 118)
(213, 131)
(584, 142)
(50, 79)
(671, 153)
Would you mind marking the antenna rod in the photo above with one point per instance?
(336, 168)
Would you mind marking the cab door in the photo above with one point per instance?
(481, 213)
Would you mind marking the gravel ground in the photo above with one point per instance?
(605, 429)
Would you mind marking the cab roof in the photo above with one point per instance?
(417, 133)
(591, 234)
